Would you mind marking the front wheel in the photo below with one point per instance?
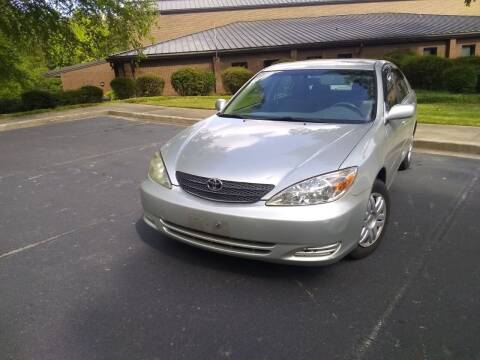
(407, 161)
(375, 222)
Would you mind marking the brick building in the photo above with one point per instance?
(186, 21)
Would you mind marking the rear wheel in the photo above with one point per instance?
(375, 222)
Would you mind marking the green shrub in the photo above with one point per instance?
(208, 83)
(12, 105)
(84, 95)
(460, 79)
(149, 86)
(401, 57)
(470, 61)
(38, 99)
(233, 78)
(90, 94)
(425, 72)
(123, 88)
(110, 95)
(68, 97)
(192, 82)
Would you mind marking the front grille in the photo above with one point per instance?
(231, 191)
(211, 241)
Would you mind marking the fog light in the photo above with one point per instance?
(322, 251)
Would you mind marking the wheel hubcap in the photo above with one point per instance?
(374, 223)
(409, 154)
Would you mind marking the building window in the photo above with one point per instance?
(243, 64)
(345, 56)
(270, 62)
(314, 57)
(430, 51)
(468, 50)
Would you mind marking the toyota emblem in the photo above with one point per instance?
(214, 184)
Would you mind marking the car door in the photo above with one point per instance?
(407, 96)
(396, 131)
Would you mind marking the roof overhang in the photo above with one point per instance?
(66, 69)
(267, 6)
(321, 45)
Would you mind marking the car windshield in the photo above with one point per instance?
(332, 96)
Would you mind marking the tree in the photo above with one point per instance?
(68, 32)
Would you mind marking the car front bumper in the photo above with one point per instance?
(318, 234)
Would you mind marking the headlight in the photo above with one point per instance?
(320, 189)
(157, 171)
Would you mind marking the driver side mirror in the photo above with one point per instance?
(400, 112)
(220, 104)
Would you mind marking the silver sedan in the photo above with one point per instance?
(295, 168)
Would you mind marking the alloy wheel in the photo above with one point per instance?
(409, 154)
(375, 218)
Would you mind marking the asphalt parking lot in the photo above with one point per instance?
(82, 277)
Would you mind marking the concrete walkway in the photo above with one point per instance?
(448, 139)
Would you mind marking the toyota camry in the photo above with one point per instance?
(295, 168)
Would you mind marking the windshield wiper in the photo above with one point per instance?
(291, 119)
(234, 116)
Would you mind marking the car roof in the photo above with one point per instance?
(345, 64)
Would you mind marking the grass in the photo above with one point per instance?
(467, 114)
(434, 97)
(448, 109)
(40, 111)
(195, 102)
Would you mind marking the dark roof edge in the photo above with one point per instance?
(330, 44)
(269, 6)
(57, 72)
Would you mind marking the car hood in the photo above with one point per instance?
(260, 151)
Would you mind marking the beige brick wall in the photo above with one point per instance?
(374, 52)
(92, 75)
(460, 43)
(175, 25)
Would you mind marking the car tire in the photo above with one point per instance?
(373, 219)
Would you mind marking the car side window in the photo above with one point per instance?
(402, 85)
(390, 88)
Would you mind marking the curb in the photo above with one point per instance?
(454, 147)
(164, 119)
(12, 125)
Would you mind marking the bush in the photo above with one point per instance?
(470, 61)
(110, 95)
(149, 86)
(460, 79)
(233, 78)
(84, 95)
(68, 97)
(90, 94)
(8, 106)
(123, 88)
(401, 58)
(192, 82)
(38, 99)
(425, 72)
